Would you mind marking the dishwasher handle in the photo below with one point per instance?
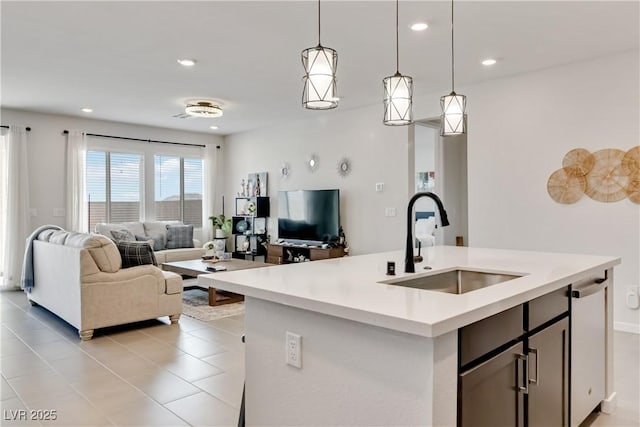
(595, 287)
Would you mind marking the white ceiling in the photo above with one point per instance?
(119, 58)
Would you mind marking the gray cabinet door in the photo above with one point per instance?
(549, 376)
(489, 392)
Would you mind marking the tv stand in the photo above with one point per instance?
(286, 253)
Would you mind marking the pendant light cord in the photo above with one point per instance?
(397, 43)
(319, 44)
(452, 51)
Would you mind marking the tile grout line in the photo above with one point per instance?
(78, 392)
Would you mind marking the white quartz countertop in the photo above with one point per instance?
(349, 287)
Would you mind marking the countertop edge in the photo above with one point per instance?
(402, 324)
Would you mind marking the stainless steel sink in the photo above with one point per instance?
(454, 281)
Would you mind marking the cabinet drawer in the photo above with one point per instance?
(488, 334)
(546, 307)
(317, 254)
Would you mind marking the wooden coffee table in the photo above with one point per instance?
(195, 267)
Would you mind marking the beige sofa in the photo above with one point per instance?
(78, 277)
(154, 228)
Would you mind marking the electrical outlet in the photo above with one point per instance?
(293, 349)
(389, 211)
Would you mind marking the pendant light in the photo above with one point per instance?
(398, 93)
(320, 92)
(454, 116)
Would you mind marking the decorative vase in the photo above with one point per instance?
(220, 234)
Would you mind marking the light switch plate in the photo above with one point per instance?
(379, 187)
(389, 211)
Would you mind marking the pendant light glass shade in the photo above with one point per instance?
(320, 64)
(454, 118)
(320, 92)
(398, 93)
(398, 100)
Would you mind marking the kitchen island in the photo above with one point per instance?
(375, 353)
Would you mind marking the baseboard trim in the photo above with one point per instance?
(634, 328)
(609, 404)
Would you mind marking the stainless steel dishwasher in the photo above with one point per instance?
(588, 346)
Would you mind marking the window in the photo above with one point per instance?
(113, 187)
(178, 189)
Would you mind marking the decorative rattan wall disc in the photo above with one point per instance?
(578, 162)
(631, 161)
(633, 189)
(564, 187)
(607, 182)
(608, 175)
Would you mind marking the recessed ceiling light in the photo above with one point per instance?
(187, 62)
(213, 127)
(489, 61)
(87, 110)
(419, 26)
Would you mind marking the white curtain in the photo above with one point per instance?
(14, 202)
(77, 216)
(212, 197)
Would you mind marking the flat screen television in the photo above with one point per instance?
(309, 217)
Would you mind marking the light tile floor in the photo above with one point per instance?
(147, 374)
(156, 374)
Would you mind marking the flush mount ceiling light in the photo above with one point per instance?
(419, 26)
(453, 120)
(203, 109)
(320, 63)
(87, 110)
(488, 62)
(213, 127)
(398, 93)
(187, 62)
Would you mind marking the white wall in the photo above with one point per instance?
(378, 154)
(514, 149)
(47, 153)
(519, 130)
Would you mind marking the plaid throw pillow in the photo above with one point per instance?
(123, 235)
(136, 253)
(179, 236)
(157, 241)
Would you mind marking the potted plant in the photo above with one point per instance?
(221, 225)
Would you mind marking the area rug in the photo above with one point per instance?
(195, 303)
